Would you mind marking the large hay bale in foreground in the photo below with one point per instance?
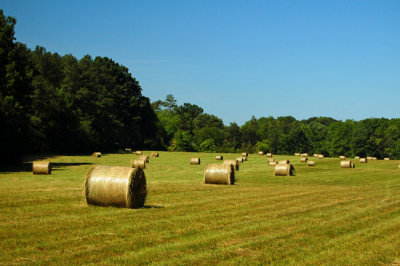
(96, 154)
(363, 160)
(195, 161)
(235, 164)
(155, 154)
(240, 159)
(310, 163)
(347, 164)
(303, 159)
(219, 157)
(260, 153)
(138, 163)
(139, 153)
(223, 174)
(245, 154)
(386, 159)
(283, 169)
(145, 157)
(284, 162)
(115, 186)
(269, 154)
(342, 157)
(41, 168)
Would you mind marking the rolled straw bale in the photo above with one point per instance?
(356, 157)
(297, 154)
(374, 158)
(386, 159)
(316, 155)
(245, 154)
(342, 157)
(96, 154)
(346, 164)
(272, 163)
(41, 168)
(244, 159)
(304, 155)
(138, 163)
(310, 163)
(139, 153)
(304, 159)
(219, 174)
(155, 154)
(369, 158)
(240, 159)
(128, 150)
(219, 157)
(271, 160)
(363, 160)
(260, 153)
(195, 161)
(235, 164)
(320, 156)
(145, 157)
(269, 154)
(283, 169)
(284, 162)
(116, 186)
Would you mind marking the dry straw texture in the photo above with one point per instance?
(284, 162)
(139, 153)
(363, 160)
(304, 159)
(116, 186)
(386, 159)
(310, 163)
(269, 154)
(145, 157)
(320, 156)
(96, 154)
(138, 163)
(342, 157)
(235, 164)
(41, 168)
(260, 153)
(223, 174)
(245, 154)
(219, 157)
(283, 169)
(240, 160)
(347, 164)
(195, 161)
(155, 154)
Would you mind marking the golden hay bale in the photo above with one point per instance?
(272, 163)
(320, 156)
(240, 159)
(304, 159)
(96, 154)
(356, 157)
(219, 174)
(235, 164)
(116, 186)
(139, 163)
(128, 150)
(219, 157)
(310, 163)
(304, 155)
(245, 154)
(195, 161)
(342, 157)
(260, 153)
(363, 160)
(271, 160)
(269, 154)
(145, 157)
(386, 159)
(139, 153)
(374, 158)
(283, 169)
(297, 154)
(244, 159)
(155, 154)
(316, 155)
(284, 162)
(41, 168)
(347, 164)
(369, 158)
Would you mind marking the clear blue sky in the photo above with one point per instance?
(236, 58)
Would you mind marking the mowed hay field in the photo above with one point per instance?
(323, 215)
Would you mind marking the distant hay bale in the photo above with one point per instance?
(245, 154)
(272, 163)
(240, 159)
(315, 155)
(116, 186)
(145, 157)
(128, 150)
(269, 154)
(244, 159)
(96, 154)
(195, 161)
(304, 155)
(223, 174)
(219, 157)
(260, 153)
(386, 159)
(363, 160)
(357, 157)
(41, 168)
(304, 159)
(347, 164)
(155, 154)
(320, 156)
(310, 163)
(297, 154)
(138, 163)
(342, 157)
(374, 158)
(235, 164)
(271, 160)
(284, 162)
(139, 153)
(283, 169)
(370, 158)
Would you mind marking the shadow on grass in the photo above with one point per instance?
(27, 167)
(152, 207)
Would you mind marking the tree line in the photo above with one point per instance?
(60, 104)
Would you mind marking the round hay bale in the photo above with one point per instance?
(342, 157)
(386, 159)
(219, 174)
(155, 154)
(219, 157)
(315, 155)
(374, 158)
(245, 154)
(369, 158)
(138, 163)
(310, 163)
(235, 164)
(240, 159)
(269, 154)
(128, 150)
(304, 159)
(271, 160)
(116, 186)
(284, 162)
(195, 161)
(41, 168)
(346, 164)
(145, 157)
(320, 156)
(297, 154)
(304, 155)
(356, 157)
(244, 159)
(283, 170)
(96, 154)
(363, 160)
(139, 153)
(272, 163)
(260, 153)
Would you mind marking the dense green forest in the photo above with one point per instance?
(60, 104)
